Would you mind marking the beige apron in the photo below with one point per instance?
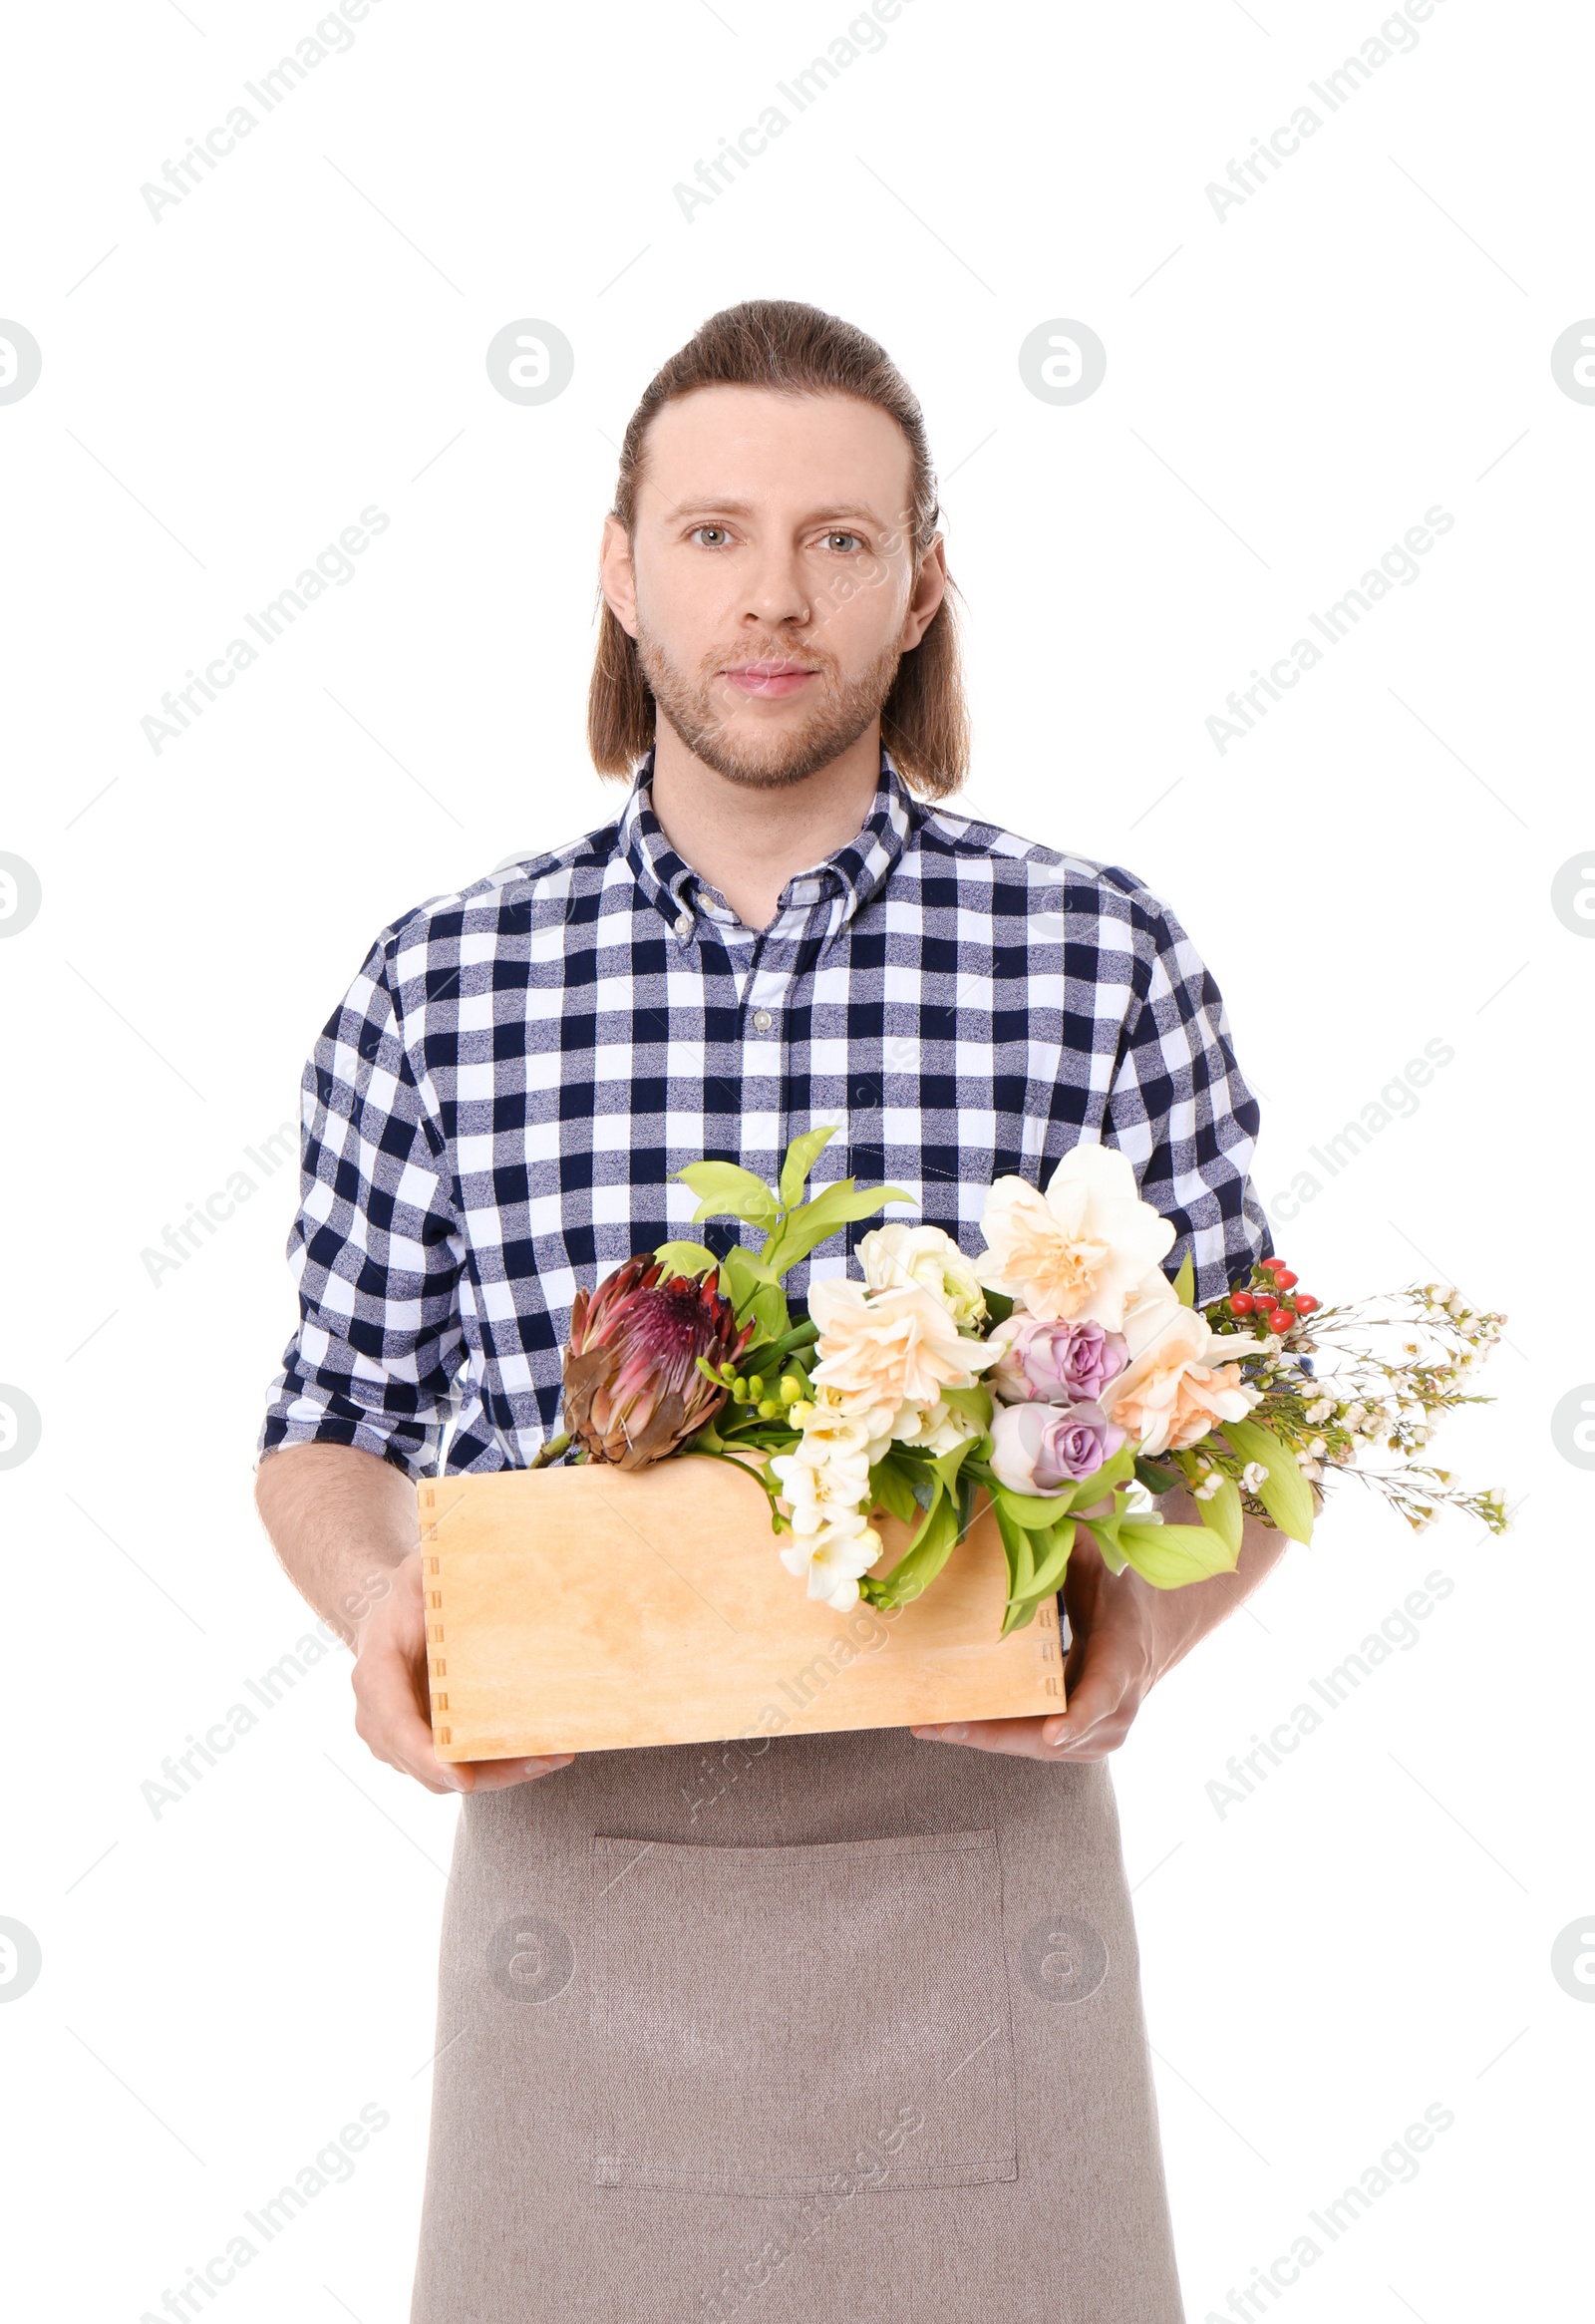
(841, 2028)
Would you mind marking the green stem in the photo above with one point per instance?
(550, 1452)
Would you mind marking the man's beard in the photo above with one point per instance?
(770, 758)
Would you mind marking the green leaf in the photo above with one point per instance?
(947, 1465)
(768, 1307)
(812, 1222)
(685, 1258)
(892, 1490)
(1016, 1549)
(929, 1553)
(1046, 1579)
(999, 1306)
(802, 1155)
(1026, 1512)
(1169, 1557)
(741, 1277)
(1284, 1492)
(800, 1335)
(1155, 1478)
(724, 1189)
(1105, 1533)
(1185, 1283)
(1224, 1514)
(973, 1402)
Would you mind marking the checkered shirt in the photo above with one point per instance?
(494, 1114)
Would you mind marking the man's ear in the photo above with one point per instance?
(928, 591)
(617, 577)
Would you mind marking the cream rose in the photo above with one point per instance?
(1081, 1250)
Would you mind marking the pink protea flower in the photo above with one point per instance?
(633, 1390)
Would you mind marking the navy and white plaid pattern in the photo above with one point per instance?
(493, 1114)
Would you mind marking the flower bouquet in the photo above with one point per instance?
(1060, 1373)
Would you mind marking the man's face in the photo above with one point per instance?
(770, 584)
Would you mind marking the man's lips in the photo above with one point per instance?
(769, 679)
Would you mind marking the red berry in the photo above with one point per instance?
(1271, 1266)
(1285, 1279)
(1281, 1320)
(1242, 1302)
(1304, 1303)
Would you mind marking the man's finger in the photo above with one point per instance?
(1095, 1702)
(1021, 1735)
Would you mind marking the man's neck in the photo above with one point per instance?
(747, 842)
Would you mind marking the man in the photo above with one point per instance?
(775, 933)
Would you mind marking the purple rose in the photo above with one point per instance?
(1054, 1363)
(1041, 1448)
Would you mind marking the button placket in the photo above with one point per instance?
(764, 1048)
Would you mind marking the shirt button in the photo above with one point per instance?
(762, 1020)
(683, 924)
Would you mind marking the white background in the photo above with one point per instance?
(1288, 389)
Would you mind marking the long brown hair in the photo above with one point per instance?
(795, 349)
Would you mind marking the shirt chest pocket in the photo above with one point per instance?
(782, 2021)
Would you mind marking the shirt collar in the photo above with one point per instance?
(856, 872)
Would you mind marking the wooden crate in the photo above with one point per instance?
(586, 1609)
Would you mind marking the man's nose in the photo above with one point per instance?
(774, 588)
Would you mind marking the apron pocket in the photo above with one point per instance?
(778, 2021)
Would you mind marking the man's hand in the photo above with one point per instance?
(345, 1528)
(391, 1696)
(1124, 1636)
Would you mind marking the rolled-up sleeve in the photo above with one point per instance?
(1181, 1108)
(375, 1249)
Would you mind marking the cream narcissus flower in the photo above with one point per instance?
(1081, 1250)
(897, 1254)
(882, 1350)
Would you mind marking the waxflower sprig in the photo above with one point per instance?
(1059, 1373)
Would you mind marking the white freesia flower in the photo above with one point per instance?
(1081, 1250)
(834, 1560)
(835, 1436)
(819, 1496)
(1252, 1475)
(898, 1254)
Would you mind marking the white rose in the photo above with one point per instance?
(898, 1254)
